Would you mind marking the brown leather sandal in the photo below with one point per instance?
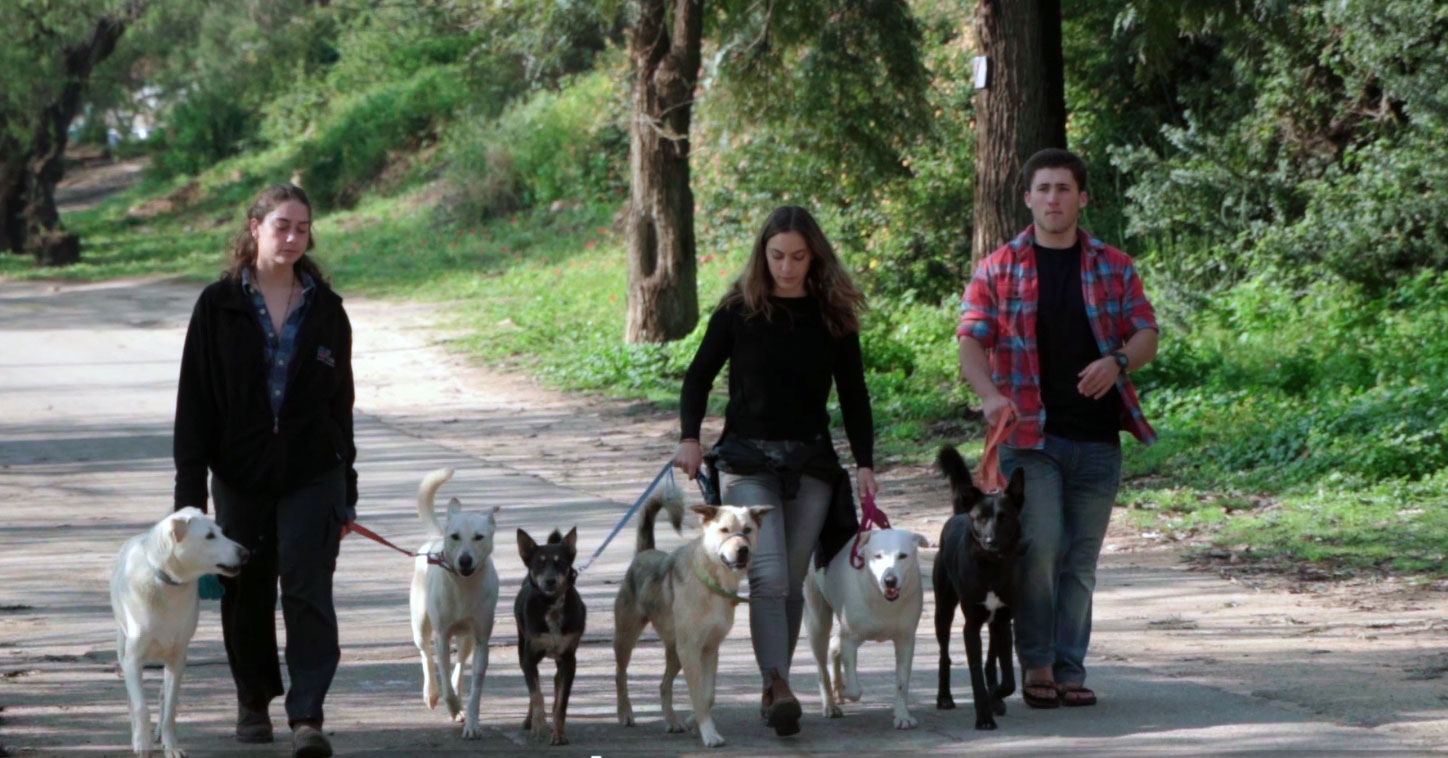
(1075, 695)
(1039, 698)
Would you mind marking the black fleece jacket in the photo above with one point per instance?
(224, 420)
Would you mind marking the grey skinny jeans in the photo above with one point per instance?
(781, 560)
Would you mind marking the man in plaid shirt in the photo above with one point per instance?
(1051, 326)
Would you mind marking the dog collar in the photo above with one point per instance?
(166, 578)
(714, 587)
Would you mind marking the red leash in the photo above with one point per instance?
(989, 478)
(869, 516)
(432, 558)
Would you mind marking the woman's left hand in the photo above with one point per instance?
(346, 530)
(865, 478)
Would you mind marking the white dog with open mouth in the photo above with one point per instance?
(155, 600)
(454, 600)
(881, 601)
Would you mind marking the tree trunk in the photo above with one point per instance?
(1021, 110)
(663, 302)
(42, 235)
(12, 194)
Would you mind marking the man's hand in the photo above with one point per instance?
(996, 404)
(1098, 378)
(688, 457)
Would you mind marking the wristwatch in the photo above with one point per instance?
(1121, 360)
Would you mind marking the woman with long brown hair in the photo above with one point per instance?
(788, 328)
(265, 405)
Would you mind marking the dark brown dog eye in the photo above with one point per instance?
(454, 536)
(901, 556)
(211, 535)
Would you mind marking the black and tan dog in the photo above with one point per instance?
(550, 615)
(975, 570)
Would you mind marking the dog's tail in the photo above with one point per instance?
(666, 496)
(954, 468)
(425, 493)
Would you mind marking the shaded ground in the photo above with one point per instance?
(1187, 663)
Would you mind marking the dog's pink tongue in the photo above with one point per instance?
(891, 594)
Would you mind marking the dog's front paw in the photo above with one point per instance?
(472, 730)
(455, 707)
(832, 711)
(625, 717)
(905, 721)
(711, 736)
(539, 731)
(558, 738)
(853, 694)
(175, 752)
(674, 726)
(985, 723)
(945, 702)
(999, 706)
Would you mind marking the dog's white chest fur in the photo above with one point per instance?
(991, 603)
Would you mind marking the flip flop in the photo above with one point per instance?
(1075, 695)
(1036, 700)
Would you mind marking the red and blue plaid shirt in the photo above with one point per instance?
(999, 307)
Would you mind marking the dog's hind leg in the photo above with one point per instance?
(666, 691)
(562, 687)
(904, 654)
(1000, 651)
(140, 718)
(472, 729)
(945, 602)
(837, 657)
(170, 695)
(818, 619)
(626, 630)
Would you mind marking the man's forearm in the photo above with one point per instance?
(975, 368)
(1140, 349)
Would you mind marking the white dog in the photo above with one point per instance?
(154, 597)
(686, 596)
(881, 601)
(454, 600)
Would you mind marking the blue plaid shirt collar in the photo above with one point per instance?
(279, 348)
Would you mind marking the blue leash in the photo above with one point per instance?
(667, 469)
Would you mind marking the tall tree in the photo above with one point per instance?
(1021, 110)
(27, 182)
(663, 46)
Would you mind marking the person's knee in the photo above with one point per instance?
(770, 584)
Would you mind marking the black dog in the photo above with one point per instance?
(550, 615)
(974, 569)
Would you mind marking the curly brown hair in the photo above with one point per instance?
(827, 281)
(243, 245)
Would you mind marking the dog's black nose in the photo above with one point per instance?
(891, 581)
(245, 556)
(465, 561)
(743, 553)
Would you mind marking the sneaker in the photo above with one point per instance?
(309, 742)
(253, 724)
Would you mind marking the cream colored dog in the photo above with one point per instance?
(454, 600)
(685, 595)
(154, 597)
(881, 601)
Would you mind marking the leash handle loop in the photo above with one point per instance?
(989, 476)
(870, 516)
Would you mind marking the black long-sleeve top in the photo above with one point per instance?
(780, 370)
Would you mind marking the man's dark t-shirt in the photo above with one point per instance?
(1067, 346)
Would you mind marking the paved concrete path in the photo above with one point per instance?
(87, 386)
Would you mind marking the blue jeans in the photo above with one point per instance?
(1070, 490)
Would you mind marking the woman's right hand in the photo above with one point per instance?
(688, 457)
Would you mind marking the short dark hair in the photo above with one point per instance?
(1054, 157)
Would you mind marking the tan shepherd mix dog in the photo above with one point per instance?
(688, 596)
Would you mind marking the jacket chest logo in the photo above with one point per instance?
(324, 355)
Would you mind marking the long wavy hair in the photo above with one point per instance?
(827, 281)
(243, 245)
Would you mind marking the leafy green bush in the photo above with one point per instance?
(563, 145)
(204, 128)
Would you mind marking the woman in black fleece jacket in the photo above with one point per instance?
(265, 404)
(788, 328)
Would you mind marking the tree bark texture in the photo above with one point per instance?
(1021, 110)
(663, 302)
(34, 217)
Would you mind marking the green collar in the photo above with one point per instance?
(714, 587)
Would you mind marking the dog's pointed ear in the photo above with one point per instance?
(526, 546)
(706, 512)
(921, 540)
(179, 525)
(757, 512)
(570, 541)
(454, 507)
(1016, 489)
